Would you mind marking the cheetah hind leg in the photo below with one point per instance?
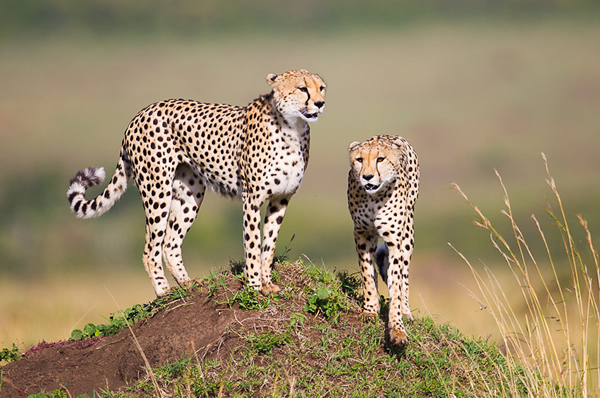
(188, 193)
(382, 261)
(156, 224)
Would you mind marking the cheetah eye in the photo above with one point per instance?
(322, 88)
(380, 159)
(303, 89)
(359, 160)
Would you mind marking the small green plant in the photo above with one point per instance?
(60, 393)
(327, 292)
(10, 354)
(351, 284)
(296, 320)
(115, 323)
(118, 320)
(328, 301)
(237, 267)
(265, 343)
(215, 282)
(249, 299)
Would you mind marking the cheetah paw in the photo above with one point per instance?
(398, 337)
(186, 283)
(270, 289)
(370, 317)
(162, 293)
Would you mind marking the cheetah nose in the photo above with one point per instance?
(368, 177)
(320, 104)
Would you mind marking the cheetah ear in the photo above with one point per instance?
(271, 77)
(353, 146)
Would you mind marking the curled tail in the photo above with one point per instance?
(102, 203)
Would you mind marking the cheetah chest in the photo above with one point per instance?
(288, 164)
(380, 213)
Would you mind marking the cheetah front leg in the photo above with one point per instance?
(397, 280)
(252, 247)
(366, 244)
(273, 219)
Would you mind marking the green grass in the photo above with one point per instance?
(302, 354)
(310, 355)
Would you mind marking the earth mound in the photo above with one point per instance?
(219, 338)
(204, 325)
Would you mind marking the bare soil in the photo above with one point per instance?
(198, 325)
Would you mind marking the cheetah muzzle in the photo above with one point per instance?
(175, 149)
(371, 188)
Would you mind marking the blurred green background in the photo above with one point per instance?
(473, 85)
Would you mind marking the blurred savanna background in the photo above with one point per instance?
(473, 85)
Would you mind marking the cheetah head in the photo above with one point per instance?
(298, 94)
(375, 163)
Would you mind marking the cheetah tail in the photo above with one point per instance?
(90, 177)
(381, 259)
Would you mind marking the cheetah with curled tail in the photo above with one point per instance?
(383, 185)
(174, 149)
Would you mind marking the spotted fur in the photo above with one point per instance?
(383, 185)
(174, 149)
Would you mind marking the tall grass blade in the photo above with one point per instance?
(557, 336)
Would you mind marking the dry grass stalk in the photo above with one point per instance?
(559, 331)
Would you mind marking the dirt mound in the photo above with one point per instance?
(222, 339)
(198, 325)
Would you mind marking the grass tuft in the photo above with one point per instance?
(557, 340)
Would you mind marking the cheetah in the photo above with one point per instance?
(175, 149)
(383, 185)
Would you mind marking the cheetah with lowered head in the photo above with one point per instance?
(174, 149)
(383, 185)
